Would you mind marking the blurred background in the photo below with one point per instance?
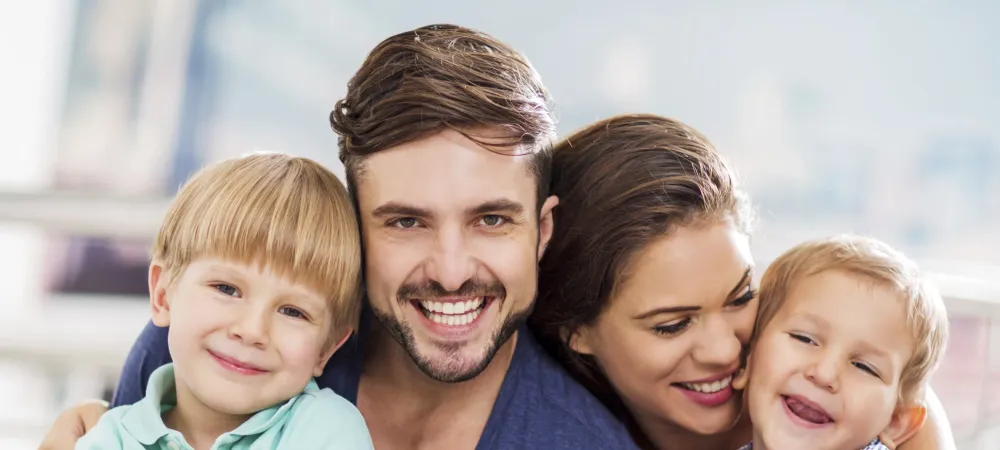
(872, 117)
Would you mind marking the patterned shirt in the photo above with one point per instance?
(873, 445)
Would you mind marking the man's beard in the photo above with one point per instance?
(403, 334)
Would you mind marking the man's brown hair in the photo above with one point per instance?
(438, 77)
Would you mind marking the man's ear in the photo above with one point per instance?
(546, 223)
(158, 301)
(330, 350)
(906, 421)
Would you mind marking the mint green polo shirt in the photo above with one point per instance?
(315, 419)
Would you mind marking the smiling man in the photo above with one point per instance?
(445, 135)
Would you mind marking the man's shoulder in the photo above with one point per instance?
(551, 409)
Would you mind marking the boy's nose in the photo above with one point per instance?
(824, 372)
(252, 328)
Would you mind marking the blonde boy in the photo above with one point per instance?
(257, 272)
(848, 334)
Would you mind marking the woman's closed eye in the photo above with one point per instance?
(745, 298)
(672, 328)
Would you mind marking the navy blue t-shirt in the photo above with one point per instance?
(539, 406)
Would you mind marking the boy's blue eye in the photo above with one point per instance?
(291, 312)
(226, 289)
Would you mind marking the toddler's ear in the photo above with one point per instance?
(906, 421)
(743, 376)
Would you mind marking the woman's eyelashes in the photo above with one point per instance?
(747, 297)
(672, 328)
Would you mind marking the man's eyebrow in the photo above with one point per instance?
(399, 209)
(500, 205)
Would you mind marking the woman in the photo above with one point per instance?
(647, 292)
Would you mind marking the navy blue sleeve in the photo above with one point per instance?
(149, 352)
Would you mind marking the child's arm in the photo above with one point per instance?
(936, 432)
(323, 419)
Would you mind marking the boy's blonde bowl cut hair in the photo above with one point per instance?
(879, 263)
(287, 214)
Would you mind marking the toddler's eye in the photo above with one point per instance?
(802, 338)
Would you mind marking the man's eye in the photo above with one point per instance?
(493, 220)
(406, 222)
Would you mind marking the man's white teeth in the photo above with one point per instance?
(452, 308)
(709, 388)
(453, 320)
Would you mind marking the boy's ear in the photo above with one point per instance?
(158, 302)
(328, 353)
(906, 421)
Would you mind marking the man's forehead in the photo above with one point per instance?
(444, 167)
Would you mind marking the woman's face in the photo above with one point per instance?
(671, 337)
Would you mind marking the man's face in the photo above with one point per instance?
(452, 238)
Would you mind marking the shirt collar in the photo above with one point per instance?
(144, 420)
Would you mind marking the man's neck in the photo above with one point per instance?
(199, 424)
(425, 413)
(668, 436)
(388, 364)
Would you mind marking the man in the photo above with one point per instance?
(444, 134)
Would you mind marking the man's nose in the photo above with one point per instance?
(451, 263)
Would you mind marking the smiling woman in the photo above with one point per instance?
(646, 290)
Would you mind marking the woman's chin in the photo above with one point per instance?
(707, 421)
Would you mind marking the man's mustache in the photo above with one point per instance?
(432, 289)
